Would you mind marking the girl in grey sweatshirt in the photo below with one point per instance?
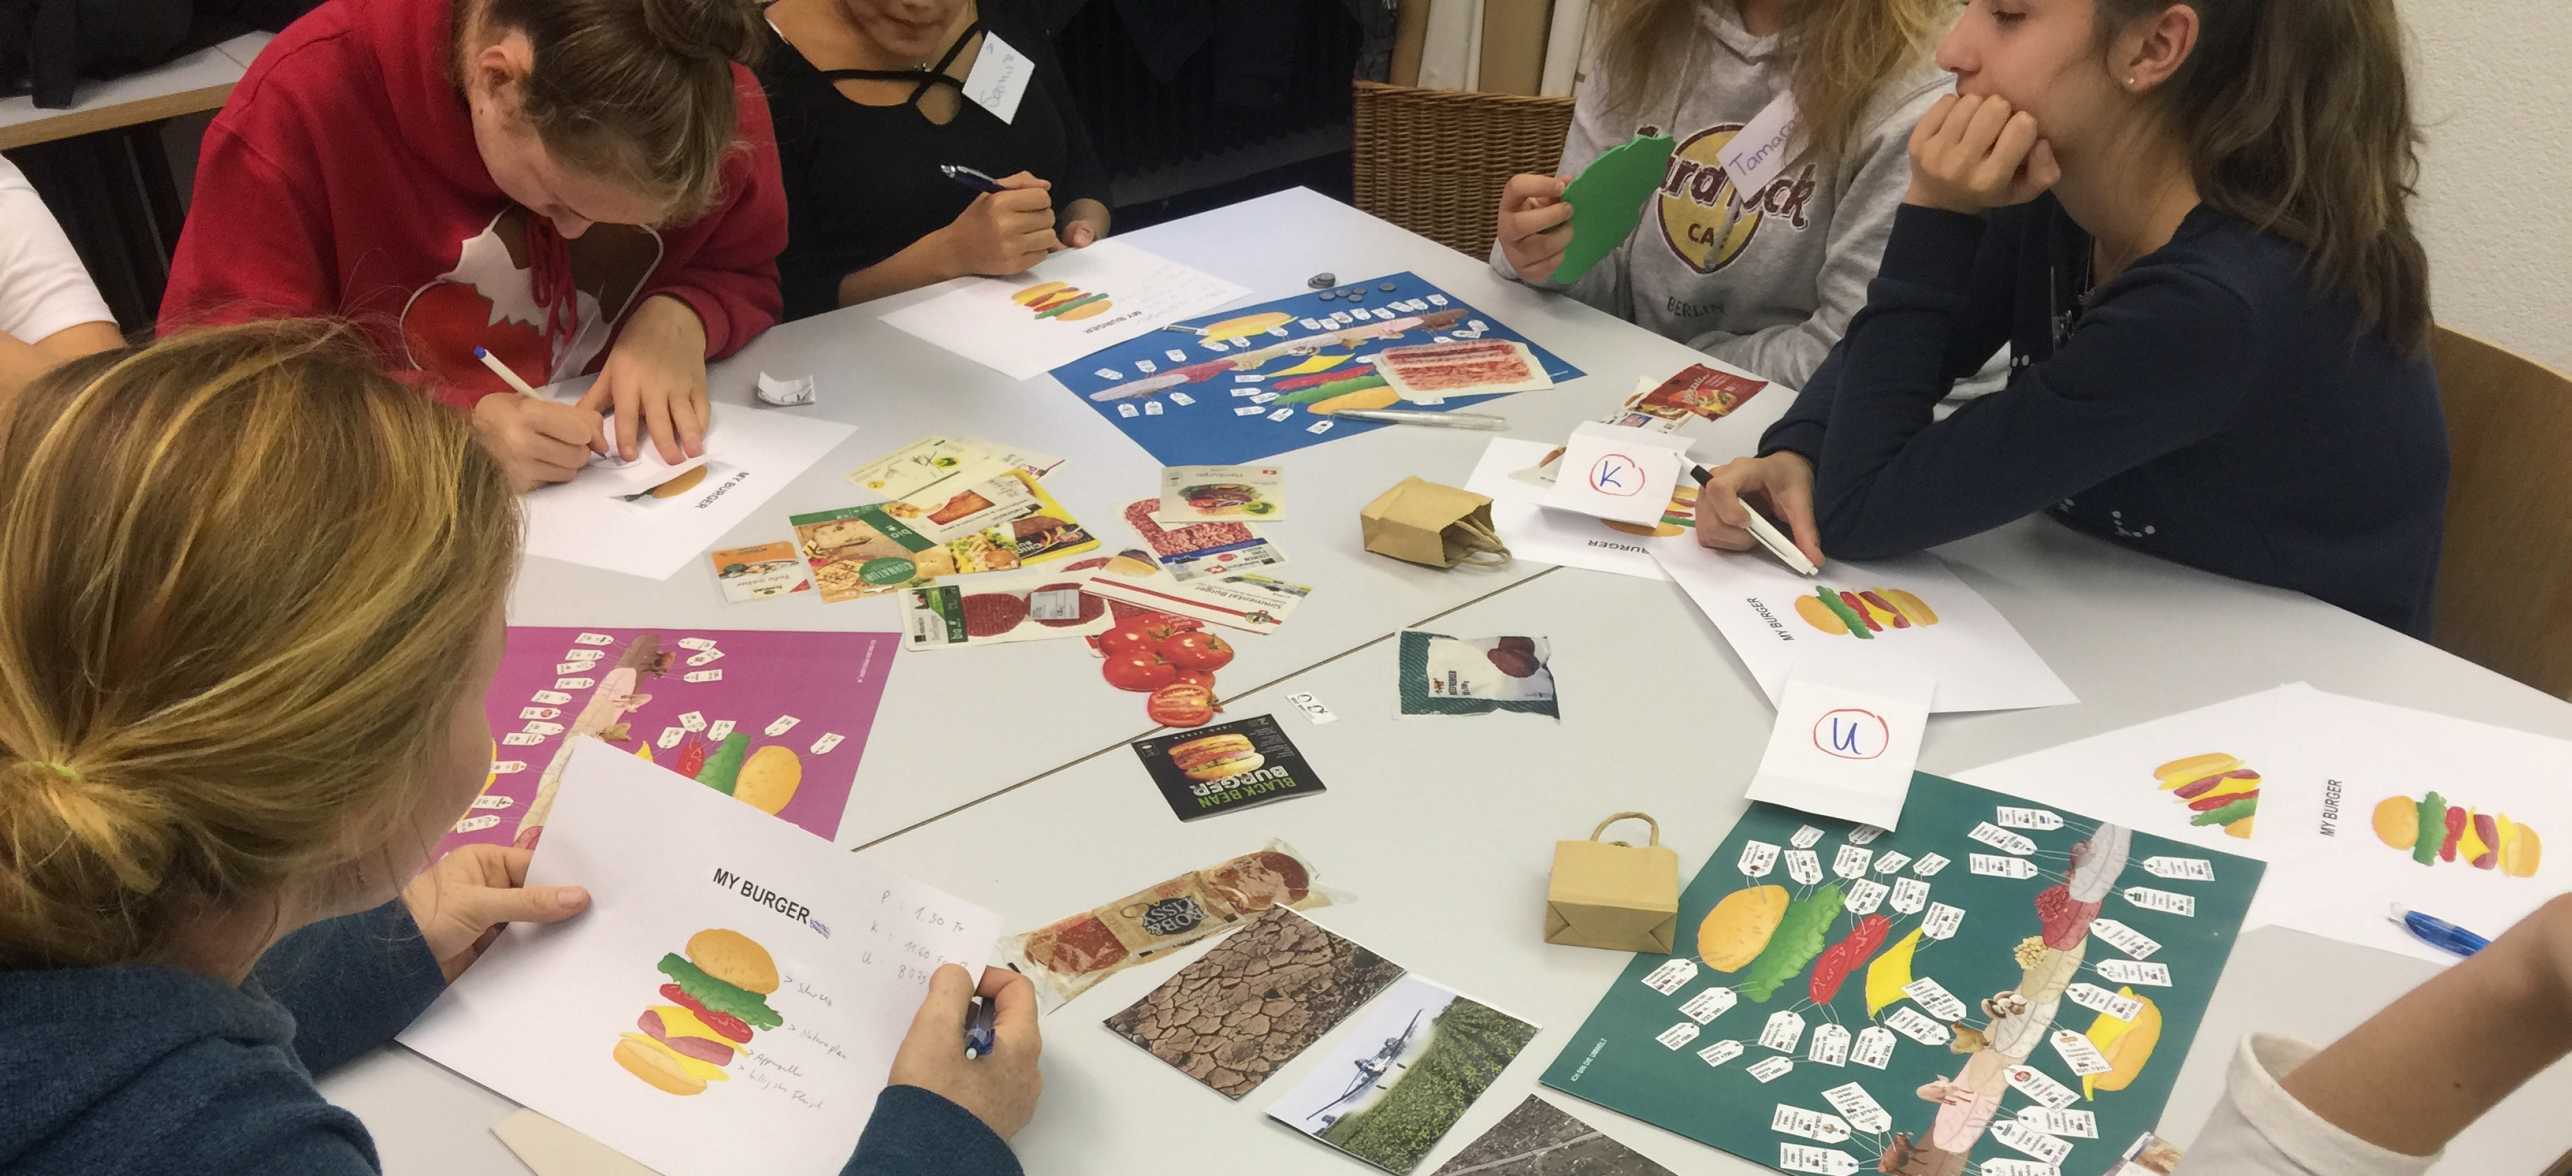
(1766, 284)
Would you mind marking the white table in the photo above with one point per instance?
(1444, 827)
(960, 725)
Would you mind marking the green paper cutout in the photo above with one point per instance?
(1607, 201)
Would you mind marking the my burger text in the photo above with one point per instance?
(762, 895)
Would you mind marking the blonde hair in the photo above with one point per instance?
(1841, 52)
(242, 577)
(640, 92)
(2297, 118)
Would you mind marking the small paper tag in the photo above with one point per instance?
(2130, 972)
(594, 639)
(1704, 1007)
(670, 737)
(783, 724)
(2164, 901)
(574, 683)
(1941, 921)
(823, 745)
(719, 730)
(1850, 861)
(1677, 1035)
(520, 739)
(1812, 1125)
(1719, 1053)
(584, 655)
(2061, 1121)
(1992, 865)
(1934, 997)
(2030, 1140)
(1318, 427)
(1929, 865)
(706, 658)
(476, 824)
(999, 77)
(692, 720)
(2028, 818)
(1859, 1108)
(539, 712)
(1829, 1046)
(1182, 399)
(493, 802)
(543, 728)
(2041, 1086)
(2078, 1053)
(702, 676)
(2001, 839)
(1757, 859)
(1128, 411)
(1313, 709)
(1864, 895)
(1891, 861)
(2188, 869)
(1671, 976)
(1874, 1047)
(1803, 1157)
(1151, 408)
(1911, 1023)
(1785, 1029)
(1804, 867)
(1806, 837)
(1909, 895)
(1771, 1069)
(2125, 939)
(550, 697)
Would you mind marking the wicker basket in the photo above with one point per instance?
(1433, 161)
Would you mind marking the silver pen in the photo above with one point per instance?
(1444, 420)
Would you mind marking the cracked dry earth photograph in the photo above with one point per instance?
(1256, 1000)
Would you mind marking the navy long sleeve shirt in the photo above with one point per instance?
(2209, 406)
(152, 1071)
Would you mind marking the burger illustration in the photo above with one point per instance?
(1060, 300)
(716, 997)
(1216, 757)
(2436, 831)
(1862, 613)
(2216, 787)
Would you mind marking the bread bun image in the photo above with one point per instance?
(2195, 767)
(2435, 831)
(1032, 295)
(1737, 930)
(768, 780)
(681, 484)
(734, 958)
(657, 1064)
(1216, 757)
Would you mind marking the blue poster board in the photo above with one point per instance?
(1185, 397)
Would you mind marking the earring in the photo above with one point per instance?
(2129, 81)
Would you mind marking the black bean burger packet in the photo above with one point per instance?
(1227, 766)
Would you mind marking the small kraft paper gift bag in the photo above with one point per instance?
(1439, 526)
(1613, 895)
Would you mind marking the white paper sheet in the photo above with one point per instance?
(1846, 739)
(1618, 473)
(984, 320)
(1538, 535)
(1772, 617)
(2324, 764)
(597, 519)
(541, 1015)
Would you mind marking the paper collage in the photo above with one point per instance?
(1537, 1139)
(1247, 601)
(650, 519)
(1305, 979)
(762, 571)
(1210, 494)
(2357, 806)
(1246, 385)
(776, 720)
(1845, 743)
(1911, 615)
(1440, 675)
(1397, 1080)
(1069, 956)
(1987, 987)
(735, 980)
(1190, 550)
(940, 506)
(1073, 303)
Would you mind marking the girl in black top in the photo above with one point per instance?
(868, 100)
(2190, 219)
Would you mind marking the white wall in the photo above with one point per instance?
(2494, 94)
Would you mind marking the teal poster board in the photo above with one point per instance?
(2003, 987)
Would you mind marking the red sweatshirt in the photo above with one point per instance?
(342, 178)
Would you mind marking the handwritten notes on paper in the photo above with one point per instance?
(797, 970)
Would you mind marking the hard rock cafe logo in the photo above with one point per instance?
(1704, 220)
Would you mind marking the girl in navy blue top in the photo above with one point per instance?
(2189, 218)
(226, 748)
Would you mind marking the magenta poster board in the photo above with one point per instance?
(777, 720)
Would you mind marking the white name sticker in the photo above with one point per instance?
(999, 77)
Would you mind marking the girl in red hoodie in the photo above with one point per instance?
(574, 184)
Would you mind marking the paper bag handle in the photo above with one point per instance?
(1481, 544)
(1646, 818)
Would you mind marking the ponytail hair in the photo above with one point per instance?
(637, 91)
(243, 578)
(2296, 116)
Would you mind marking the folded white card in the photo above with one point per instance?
(1616, 472)
(1846, 739)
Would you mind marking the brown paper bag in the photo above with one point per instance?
(1613, 895)
(1426, 523)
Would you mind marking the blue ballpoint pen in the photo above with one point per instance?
(978, 1031)
(970, 178)
(2438, 933)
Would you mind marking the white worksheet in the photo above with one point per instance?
(677, 873)
(1071, 304)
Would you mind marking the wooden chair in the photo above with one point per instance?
(1433, 161)
(2505, 575)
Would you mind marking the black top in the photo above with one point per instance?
(862, 182)
(2209, 406)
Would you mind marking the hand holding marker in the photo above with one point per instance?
(1761, 529)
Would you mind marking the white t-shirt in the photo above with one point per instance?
(2260, 1130)
(43, 288)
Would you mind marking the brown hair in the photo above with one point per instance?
(2296, 116)
(1841, 51)
(242, 577)
(637, 91)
